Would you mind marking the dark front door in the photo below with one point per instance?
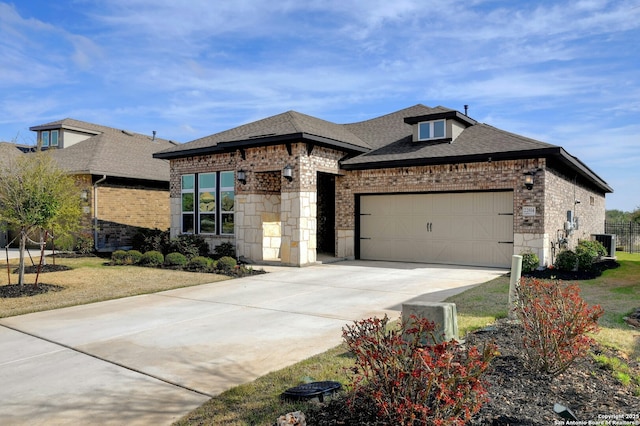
(326, 236)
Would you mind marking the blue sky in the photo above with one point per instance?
(563, 72)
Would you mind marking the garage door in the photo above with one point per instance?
(454, 228)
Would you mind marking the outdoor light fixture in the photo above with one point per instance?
(242, 176)
(84, 194)
(287, 172)
(528, 180)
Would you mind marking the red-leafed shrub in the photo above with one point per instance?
(556, 321)
(411, 378)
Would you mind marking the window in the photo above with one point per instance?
(44, 138)
(227, 200)
(54, 138)
(207, 203)
(431, 130)
(215, 203)
(187, 193)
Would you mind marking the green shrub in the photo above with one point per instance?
(199, 263)
(121, 257)
(65, 243)
(224, 249)
(175, 259)
(530, 261)
(189, 245)
(588, 252)
(152, 258)
(566, 260)
(84, 244)
(151, 239)
(227, 264)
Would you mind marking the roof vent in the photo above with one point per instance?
(154, 135)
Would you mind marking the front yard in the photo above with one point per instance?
(617, 291)
(90, 280)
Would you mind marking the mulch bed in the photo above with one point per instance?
(14, 290)
(557, 274)
(519, 396)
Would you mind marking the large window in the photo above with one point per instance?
(209, 197)
(44, 138)
(431, 130)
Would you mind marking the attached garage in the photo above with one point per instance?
(464, 228)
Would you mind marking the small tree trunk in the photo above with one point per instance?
(23, 245)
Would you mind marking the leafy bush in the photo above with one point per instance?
(226, 264)
(588, 252)
(224, 249)
(122, 257)
(175, 259)
(199, 263)
(413, 383)
(530, 261)
(189, 245)
(555, 320)
(83, 244)
(151, 239)
(152, 258)
(566, 260)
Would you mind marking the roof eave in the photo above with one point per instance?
(262, 141)
(552, 152)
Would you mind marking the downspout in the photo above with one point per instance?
(95, 210)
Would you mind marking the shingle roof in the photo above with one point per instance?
(384, 141)
(111, 152)
(288, 125)
(477, 140)
(8, 152)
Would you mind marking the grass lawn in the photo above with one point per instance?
(90, 280)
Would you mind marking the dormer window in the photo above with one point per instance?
(49, 138)
(429, 130)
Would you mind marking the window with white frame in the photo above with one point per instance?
(54, 138)
(44, 138)
(431, 130)
(209, 197)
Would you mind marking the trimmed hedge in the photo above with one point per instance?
(152, 258)
(175, 259)
(122, 257)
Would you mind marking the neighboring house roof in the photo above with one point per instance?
(10, 151)
(111, 152)
(387, 141)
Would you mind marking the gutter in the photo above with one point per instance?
(95, 210)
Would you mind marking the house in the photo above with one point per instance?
(421, 184)
(122, 187)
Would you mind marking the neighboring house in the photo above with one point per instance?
(420, 185)
(123, 188)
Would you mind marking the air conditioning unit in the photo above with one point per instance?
(608, 241)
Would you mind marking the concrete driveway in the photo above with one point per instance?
(151, 359)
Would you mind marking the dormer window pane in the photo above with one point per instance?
(54, 138)
(45, 138)
(431, 130)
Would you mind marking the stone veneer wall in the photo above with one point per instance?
(274, 218)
